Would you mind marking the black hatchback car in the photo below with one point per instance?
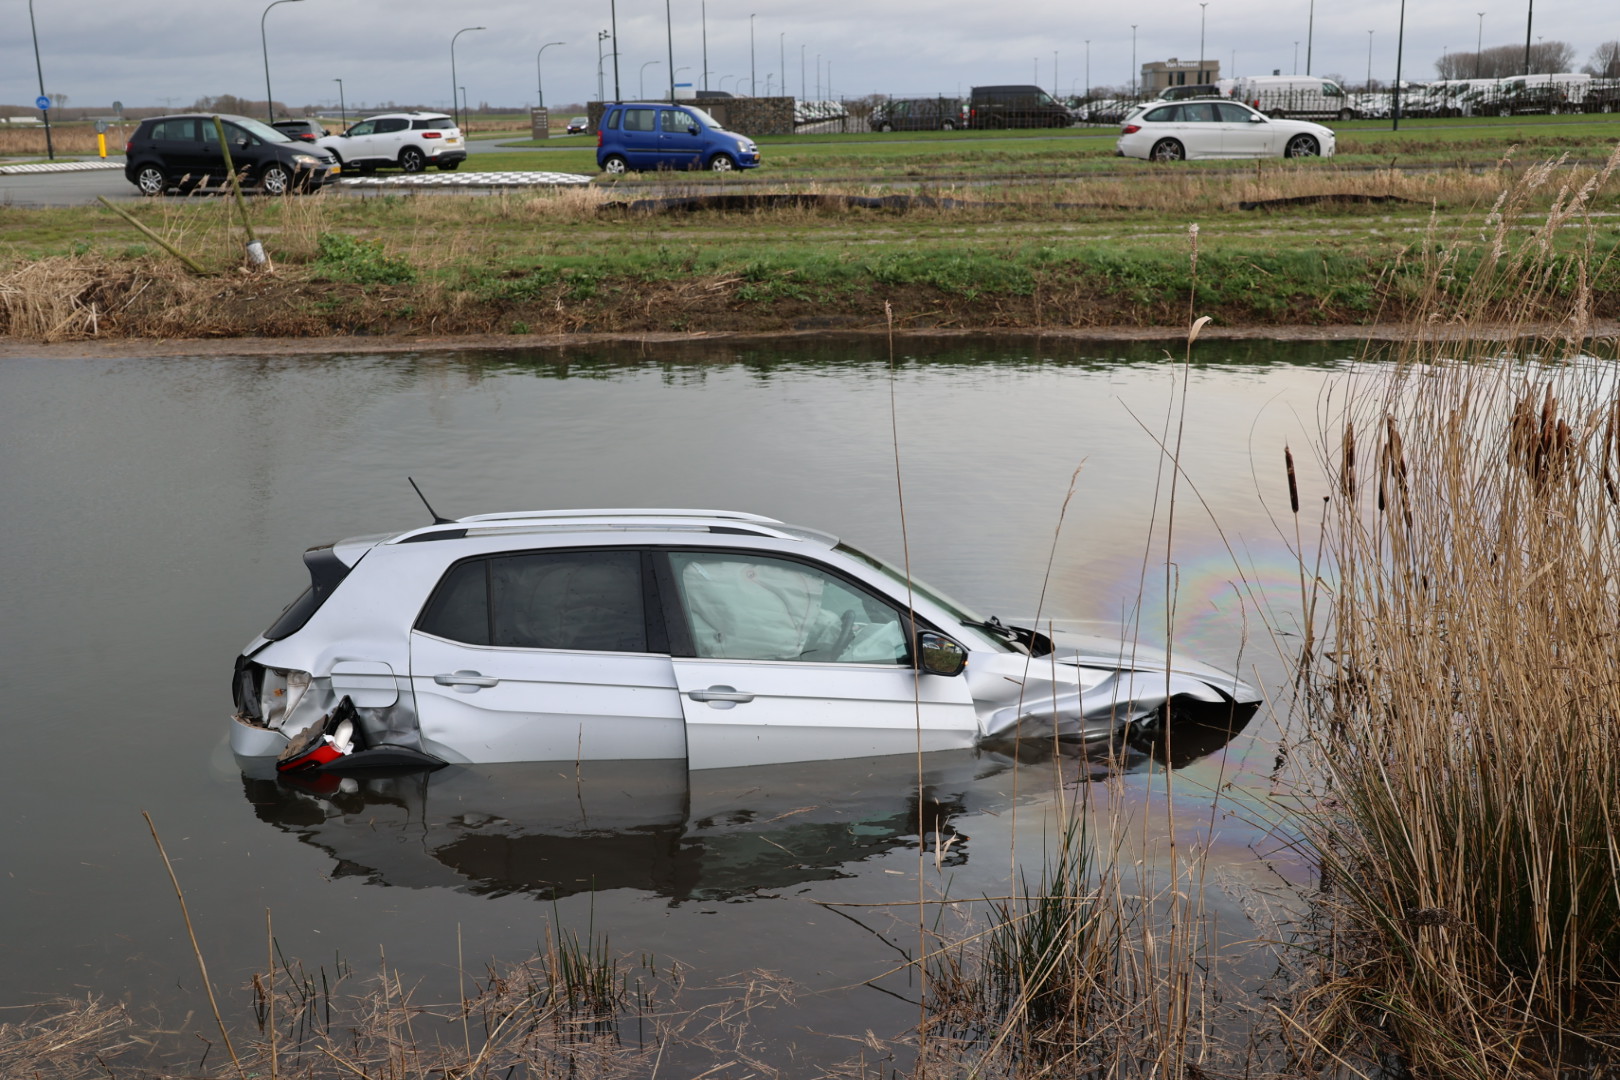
(183, 152)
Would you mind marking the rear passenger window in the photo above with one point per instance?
(175, 131)
(639, 119)
(587, 600)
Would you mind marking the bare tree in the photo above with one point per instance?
(1502, 61)
(1605, 63)
(59, 100)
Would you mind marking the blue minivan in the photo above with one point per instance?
(639, 136)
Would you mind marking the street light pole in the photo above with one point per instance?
(539, 82)
(751, 70)
(669, 36)
(1133, 59)
(50, 151)
(269, 102)
(1088, 69)
(1479, 44)
(613, 13)
(705, 10)
(643, 83)
(343, 111)
(1203, 11)
(1400, 45)
(601, 36)
(453, 83)
(1369, 61)
(781, 59)
(1310, 29)
(802, 83)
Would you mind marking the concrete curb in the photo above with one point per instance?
(59, 166)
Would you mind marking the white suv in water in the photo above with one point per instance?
(410, 140)
(724, 638)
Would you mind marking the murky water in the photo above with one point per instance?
(153, 516)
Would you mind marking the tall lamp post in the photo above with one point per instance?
(751, 70)
(269, 102)
(669, 36)
(539, 83)
(1088, 69)
(1310, 30)
(781, 59)
(1369, 61)
(802, 84)
(1203, 11)
(613, 16)
(455, 105)
(705, 10)
(1133, 59)
(601, 36)
(343, 110)
(642, 84)
(1400, 46)
(50, 151)
(1479, 43)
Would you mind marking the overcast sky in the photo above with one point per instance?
(170, 53)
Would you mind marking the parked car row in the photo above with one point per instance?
(182, 152)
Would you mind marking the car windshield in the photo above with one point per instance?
(974, 624)
(707, 120)
(264, 131)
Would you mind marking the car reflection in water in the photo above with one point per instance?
(554, 829)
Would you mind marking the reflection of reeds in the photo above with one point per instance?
(1466, 689)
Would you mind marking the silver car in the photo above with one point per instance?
(1186, 130)
(722, 638)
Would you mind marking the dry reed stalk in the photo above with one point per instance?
(1467, 695)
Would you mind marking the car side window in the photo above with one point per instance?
(1164, 115)
(639, 119)
(586, 600)
(743, 606)
(175, 131)
(1233, 114)
(675, 120)
(613, 119)
(395, 123)
(1199, 112)
(364, 127)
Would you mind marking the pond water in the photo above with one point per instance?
(155, 511)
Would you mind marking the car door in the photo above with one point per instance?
(680, 139)
(362, 144)
(783, 660)
(179, 143)
(1245, 133)
(545, 656)
(639, 133)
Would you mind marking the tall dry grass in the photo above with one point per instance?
(16, 141)
(1465, 681)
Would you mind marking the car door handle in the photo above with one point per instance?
(720, 693)
(466, 681)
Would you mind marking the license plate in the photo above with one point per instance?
(452, 142)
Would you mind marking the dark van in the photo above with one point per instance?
(1015, 107)
(917, 114)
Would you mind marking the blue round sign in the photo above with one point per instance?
(42, 102)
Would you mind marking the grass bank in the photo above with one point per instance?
(1284, 243)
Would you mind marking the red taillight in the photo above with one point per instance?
(598, 136)
(1130, 129)
(431, 135)
(129, 146)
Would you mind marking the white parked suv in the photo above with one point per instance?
(722, 638)
(410, 140)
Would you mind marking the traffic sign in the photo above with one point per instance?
(42, 102)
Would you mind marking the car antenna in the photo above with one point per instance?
(437, 520)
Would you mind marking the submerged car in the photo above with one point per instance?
(1213, 129)
(722, 638)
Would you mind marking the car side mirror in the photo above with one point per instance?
(1253, 119)
(691, 129)
(939, 655)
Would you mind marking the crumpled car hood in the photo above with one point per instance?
(1089, 686)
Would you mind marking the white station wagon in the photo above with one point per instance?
(722, 638)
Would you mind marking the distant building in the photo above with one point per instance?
(1163, 74)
